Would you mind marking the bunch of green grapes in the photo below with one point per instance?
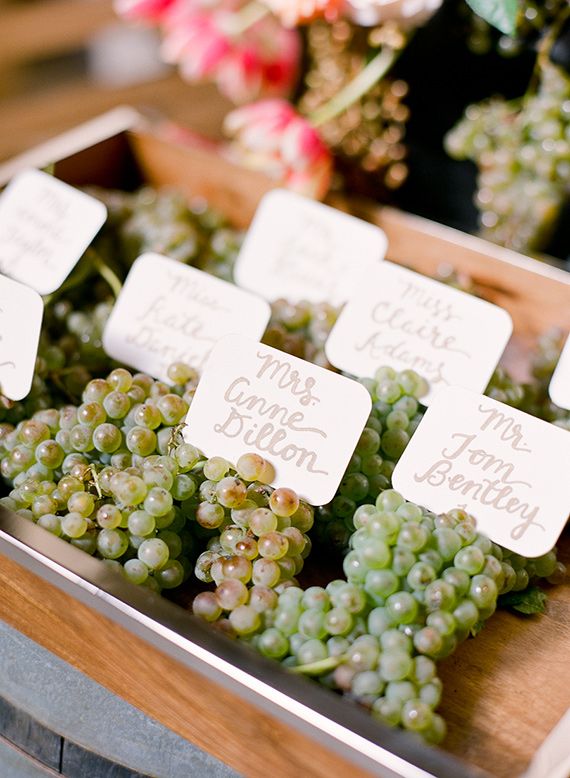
(261, 545)
(416, 585)
(301, 329)
(110, 475)
(522, 150)
(164, 221)
(396, 413)
(113, 477)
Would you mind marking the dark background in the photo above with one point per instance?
(445, 77)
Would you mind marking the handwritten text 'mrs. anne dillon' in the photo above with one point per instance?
(501, 487)
(269, 426)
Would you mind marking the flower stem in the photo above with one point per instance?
(248, 16)
(375, 70)
(543, 56)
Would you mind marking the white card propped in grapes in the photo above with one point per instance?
(170, 312)
(45, 228)
(507, 468)
(559, 388)
(400, 318)
(21, 313)
(305, 420)
(299, 249)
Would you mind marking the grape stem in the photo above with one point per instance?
(95, 480)
(56, 377)
(105, 272)
(317, 668)
(174, 437)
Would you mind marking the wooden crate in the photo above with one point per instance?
(502, 691)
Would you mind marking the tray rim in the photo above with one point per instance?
(168, 627)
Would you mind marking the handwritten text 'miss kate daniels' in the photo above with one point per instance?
(174, 324)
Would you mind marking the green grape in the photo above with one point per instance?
(522, 150)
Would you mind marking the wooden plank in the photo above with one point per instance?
(535, 304)
(251, 741)
(234, 191)
(40, 29)
(31, 119)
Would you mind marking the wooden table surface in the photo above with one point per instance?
(45, 88)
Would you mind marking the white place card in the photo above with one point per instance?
(45, 227)
(21, 313)
(552, 759)
(305, 420)
(559, 389)
(169, 312)
(407, 321)
(300, 249)
(508, 469)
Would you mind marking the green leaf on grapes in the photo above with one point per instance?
(531, 600)
(502, 14)
(476, 629)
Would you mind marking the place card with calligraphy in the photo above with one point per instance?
(559, 388)
(169, 312)
(507, 468)
(45, 227)
(305, 420)
(299, 249)
(21, 313)
(407, 321)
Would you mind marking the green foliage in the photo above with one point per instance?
(530, 601)
(501, 14)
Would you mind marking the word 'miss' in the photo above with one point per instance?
(169, 312)
(173, 323)
(505, 467)
(252, 397)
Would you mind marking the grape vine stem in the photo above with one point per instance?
(317, 668)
